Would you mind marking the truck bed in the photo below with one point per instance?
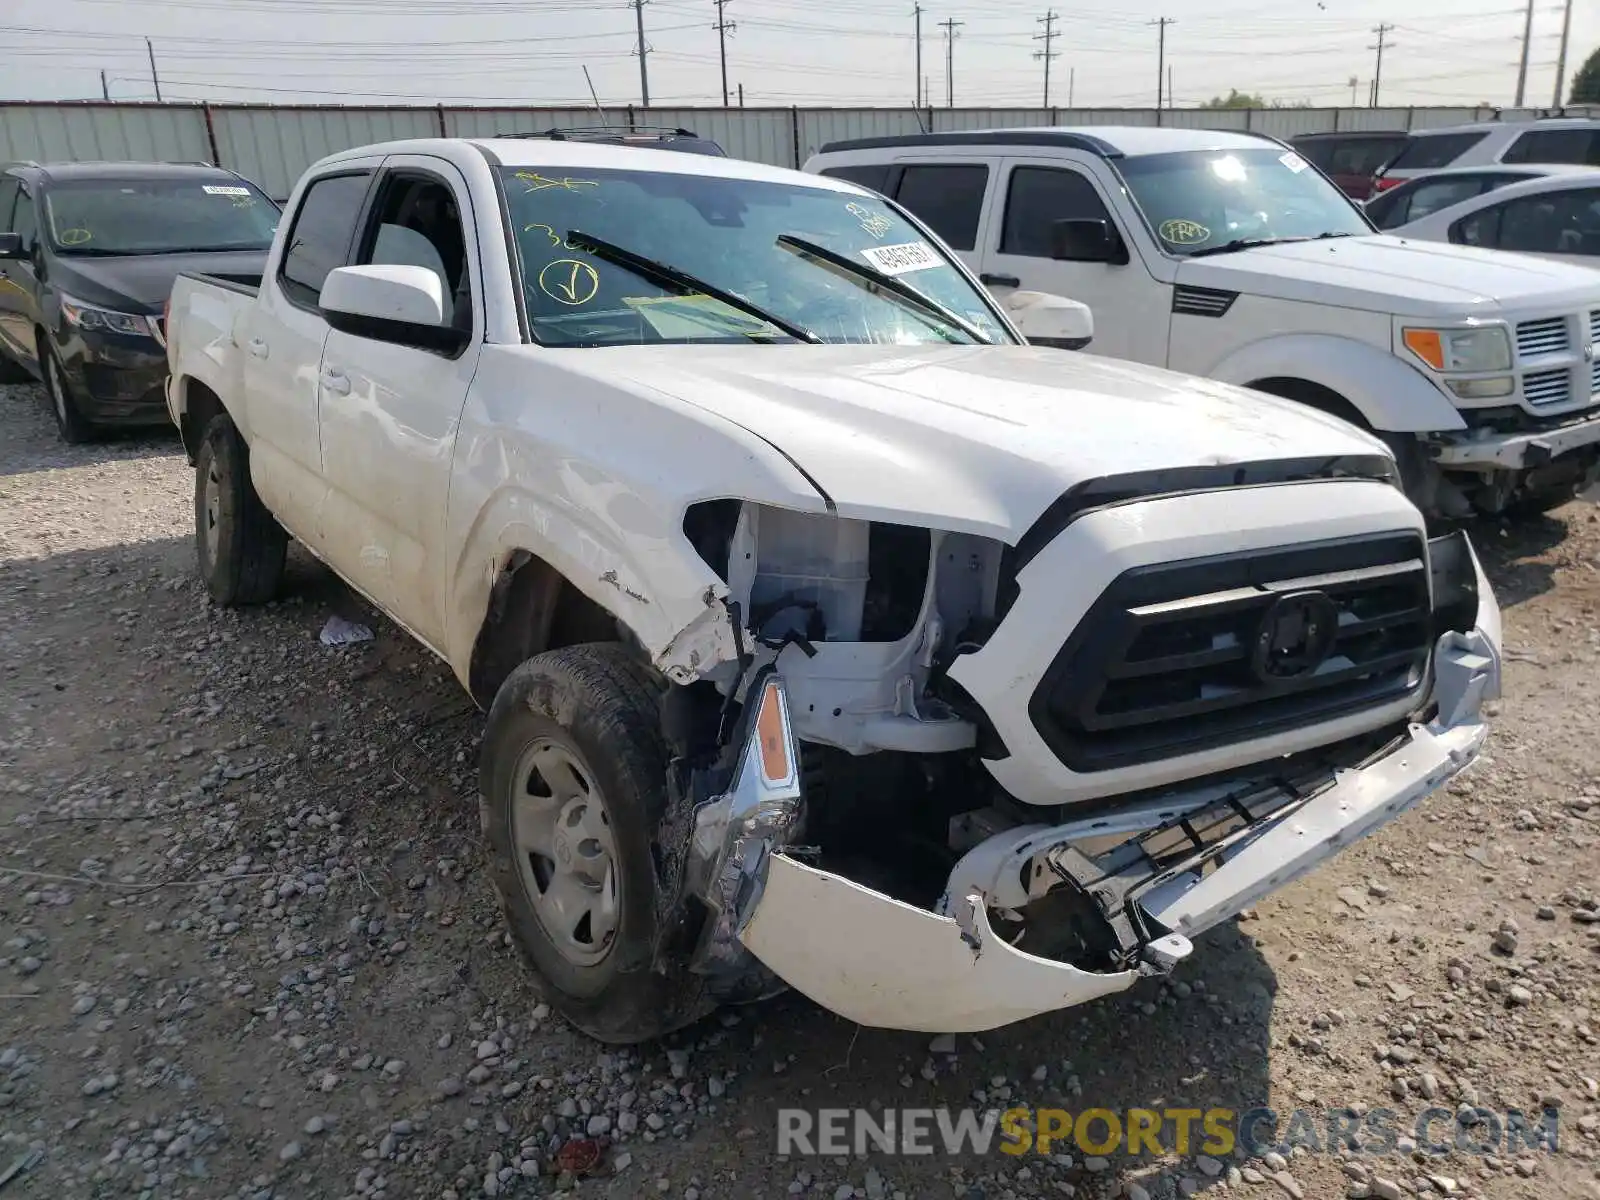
(247, 283)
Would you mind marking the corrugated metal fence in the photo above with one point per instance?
(273, 144)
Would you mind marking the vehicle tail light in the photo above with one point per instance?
(1381, 183)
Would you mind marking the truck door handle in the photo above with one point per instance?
(258, 348)
(1000, 280)
(336, 382)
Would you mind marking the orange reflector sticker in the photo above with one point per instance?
(1425, 344)
(769, 733)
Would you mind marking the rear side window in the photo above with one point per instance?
(868, 175)
(1360, 156)
(320, 239)
(1564, 222)
(1555, 146)
(1425, 153)
(1418, 199)
(1040, 196)
(948, 197)
(8, 200)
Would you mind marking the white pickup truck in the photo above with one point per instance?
(831, 635)
(1230, 256)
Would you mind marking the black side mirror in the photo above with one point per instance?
(11, 246)
(1082, 239)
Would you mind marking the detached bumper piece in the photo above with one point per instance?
(1516, 451)
(1175, 865)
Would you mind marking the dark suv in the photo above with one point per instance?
(88, 253)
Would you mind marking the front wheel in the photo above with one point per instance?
(239, 546)
(573, 785)
(75, 428)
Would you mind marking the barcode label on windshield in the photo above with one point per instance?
(897, 260)
(212, 189)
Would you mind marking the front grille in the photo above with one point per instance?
(1171, 660)
(1545, 336)
(1545, 388)
(1594, 378)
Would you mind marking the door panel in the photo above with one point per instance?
(19, 284)
(1131, 311)
(389, 413)
(280, 341)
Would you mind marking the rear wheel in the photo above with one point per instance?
(239, 546)
(74, 427)
(573, 790)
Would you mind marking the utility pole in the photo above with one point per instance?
(916, 12)
(950, 26)
(1561, 58)
(741, 95)
(105, 88)
(154, 78)
(1072, 77)
(1383, 31)
(1353, 81)
(1169, 85)
(644, 70)
(1048, 37)
(723, 27)
(1161, 24)
(1522, 67)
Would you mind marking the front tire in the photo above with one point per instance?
(74, 427)
(239, 546)
(573, 789)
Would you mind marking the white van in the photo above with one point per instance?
(1228, 255)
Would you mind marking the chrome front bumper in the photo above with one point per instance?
(880, 962)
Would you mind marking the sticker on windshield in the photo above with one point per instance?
(875, 224)
(1183, 233)
(217, 189)
(1293, 161)
(897, 260)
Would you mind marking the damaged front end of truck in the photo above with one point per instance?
(1034, 915)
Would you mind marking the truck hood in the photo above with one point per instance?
(977, 439)
(1398, 276)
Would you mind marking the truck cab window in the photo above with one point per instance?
(418, 223)
(948, 197)
(321, 235)
(1040, 196)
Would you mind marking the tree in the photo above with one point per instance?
(1235, 99)
(1586, 83)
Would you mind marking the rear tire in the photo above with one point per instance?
(75, 428)
(573, 781)
(239, 546)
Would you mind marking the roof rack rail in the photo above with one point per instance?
(581, 131)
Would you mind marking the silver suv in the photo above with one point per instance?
(1573, 140)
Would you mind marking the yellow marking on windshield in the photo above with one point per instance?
(539, 183)
(570, 282)
(74, 237)
(1183, 233)
(875, 224)
(555, 238)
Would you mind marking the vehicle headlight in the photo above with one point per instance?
(1465, 350)
(105, 320)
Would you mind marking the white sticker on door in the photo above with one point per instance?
(897, 260)
(213, 189)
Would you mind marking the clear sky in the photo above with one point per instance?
(783, 51)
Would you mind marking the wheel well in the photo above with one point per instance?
(201, 405)
(532, 608)
(1314, 395)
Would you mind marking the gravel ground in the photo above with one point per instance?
(249, 948)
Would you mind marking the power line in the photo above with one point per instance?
(723, 27)
(1161, 24)
(1047, 37)
(1383, 32)
(950, 26)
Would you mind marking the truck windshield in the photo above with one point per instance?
(701, 235)
(158, 216)
(1205, 200)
